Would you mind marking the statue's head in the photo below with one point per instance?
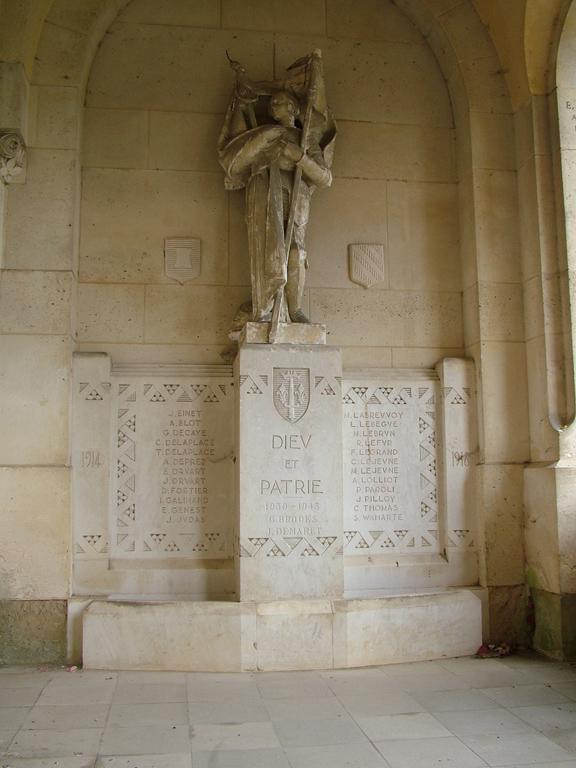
(284, 107)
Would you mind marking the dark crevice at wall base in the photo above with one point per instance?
(33, 631)
(509, 615)
(555, 624)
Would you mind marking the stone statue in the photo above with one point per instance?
(277, 142)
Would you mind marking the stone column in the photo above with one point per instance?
(289, 475)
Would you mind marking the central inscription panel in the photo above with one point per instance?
(289, 472)
(172, 468)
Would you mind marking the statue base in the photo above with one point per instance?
(288, 333)
(282, 635)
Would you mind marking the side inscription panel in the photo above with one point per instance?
(172, 469)
(390, 466)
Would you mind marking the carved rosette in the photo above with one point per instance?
(12, 154)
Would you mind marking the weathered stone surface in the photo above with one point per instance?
(493, 140)
(397, 318)
(497, 231)
(351, 211)
(36, 302)
(547, 629)
(307, 634)
(110, 312)
(201, 13)
(34, 408)
(399, 152)
(423, 241)
(149, 66)
(54, 117)
(376, 82)
(371, 20)
(183, 141)
(14, 89)
(500, 489)
(127, 214)
(32, 631)
(115, 138)
(504, 390)
(197, 314)
(40, 213)
(275, 16)
(508, 615)
(381, 631)
(60, 55)
(36, 523)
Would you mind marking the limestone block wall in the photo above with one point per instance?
(155, 100)
(37, 288)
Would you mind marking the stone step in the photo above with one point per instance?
(283, 635)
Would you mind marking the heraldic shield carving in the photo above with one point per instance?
(291, 388)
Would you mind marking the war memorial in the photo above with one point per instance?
(286, 296)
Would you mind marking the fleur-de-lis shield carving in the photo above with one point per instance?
(291, 392)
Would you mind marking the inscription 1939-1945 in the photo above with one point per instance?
(294, 501)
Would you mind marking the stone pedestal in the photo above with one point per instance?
(289, 474)
(197, 575)
(288, 333)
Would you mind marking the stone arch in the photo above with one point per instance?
(489, 232)
(490, 249)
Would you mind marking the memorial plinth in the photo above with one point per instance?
(284, 515)
(281, 635)
(334, 531)
(289, 472)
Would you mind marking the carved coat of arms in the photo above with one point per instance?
(182, 258)
(291, 392)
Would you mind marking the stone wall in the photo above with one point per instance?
(156, 95)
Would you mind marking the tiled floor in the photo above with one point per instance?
(461, 713)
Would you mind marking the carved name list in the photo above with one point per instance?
(173, 487)
(390, 477)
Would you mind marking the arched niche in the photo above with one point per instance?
(150, 171)
(487, 273)
(479, 100)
